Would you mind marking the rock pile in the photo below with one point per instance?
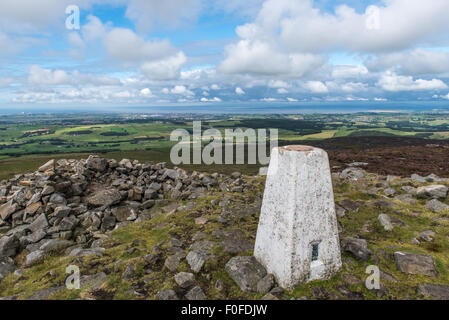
(73, 203)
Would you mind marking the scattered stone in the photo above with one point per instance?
(196, 293)
(129, 272)
(436, 206)
(34, 257)
(418, 178)
(434, 291)
(385, 221)
(428, 236)
(349, 205)
(415, 263)
(50, 165)
(7, 266)
(9, 246)
(390, 191)
(44, 294)
(433, 191)
(7, 209)
(172, 262)
(167, 295)
(185, 280)
(104, 198)
(357, 247)
(265, 284)
(353, 174)
(246, 272)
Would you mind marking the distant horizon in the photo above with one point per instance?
(308, 107)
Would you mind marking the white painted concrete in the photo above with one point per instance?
(298, 211)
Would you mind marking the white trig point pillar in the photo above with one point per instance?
(297, 237)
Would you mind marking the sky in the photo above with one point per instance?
(212, 52)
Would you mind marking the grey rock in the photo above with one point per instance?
(96, 163)
(62, 211)
(122, 213)
(7, 209)
(172, 262)
(185, 279)
(55, 245)
(265, 284)
(353, 174)
(80, 252)
(389, 191)
(104, 198)
(418, 178)
(7, 266)
(93, 282)
(57, 199)
(427, 235)
(39, 224)
(357, 247)
(34, 258)
(9, 246)
(129, 272)
(415, 263)
(68, 223)
(50, 165)
(44, 294)
(434, 291)
(167, 295)
(34, 237)
(196, 260)
(436, 206)
(433, 191)
(196, 293)
(246, 272)
(47, 190)
(108, 223)
(385, 221)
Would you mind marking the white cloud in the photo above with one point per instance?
(292, 100)
(181, 90)
(415, 62)
(348, 71)
(150, 14)
(124, 45)
(394, 83)
(277, 84)
(215, 99)
(164, 69)
(40, 76)
(282, 91)
(259, 57)
(316, 87)
(269, 99)
(94, 29)
(146, 93)
(239, 91)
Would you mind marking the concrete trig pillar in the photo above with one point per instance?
(297, 237)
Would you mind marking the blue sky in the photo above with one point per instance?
(148, 52)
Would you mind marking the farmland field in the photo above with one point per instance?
(26, 141)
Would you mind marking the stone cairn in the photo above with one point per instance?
(72, 203)
(297, 237)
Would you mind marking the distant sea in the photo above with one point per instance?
(244, 108)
